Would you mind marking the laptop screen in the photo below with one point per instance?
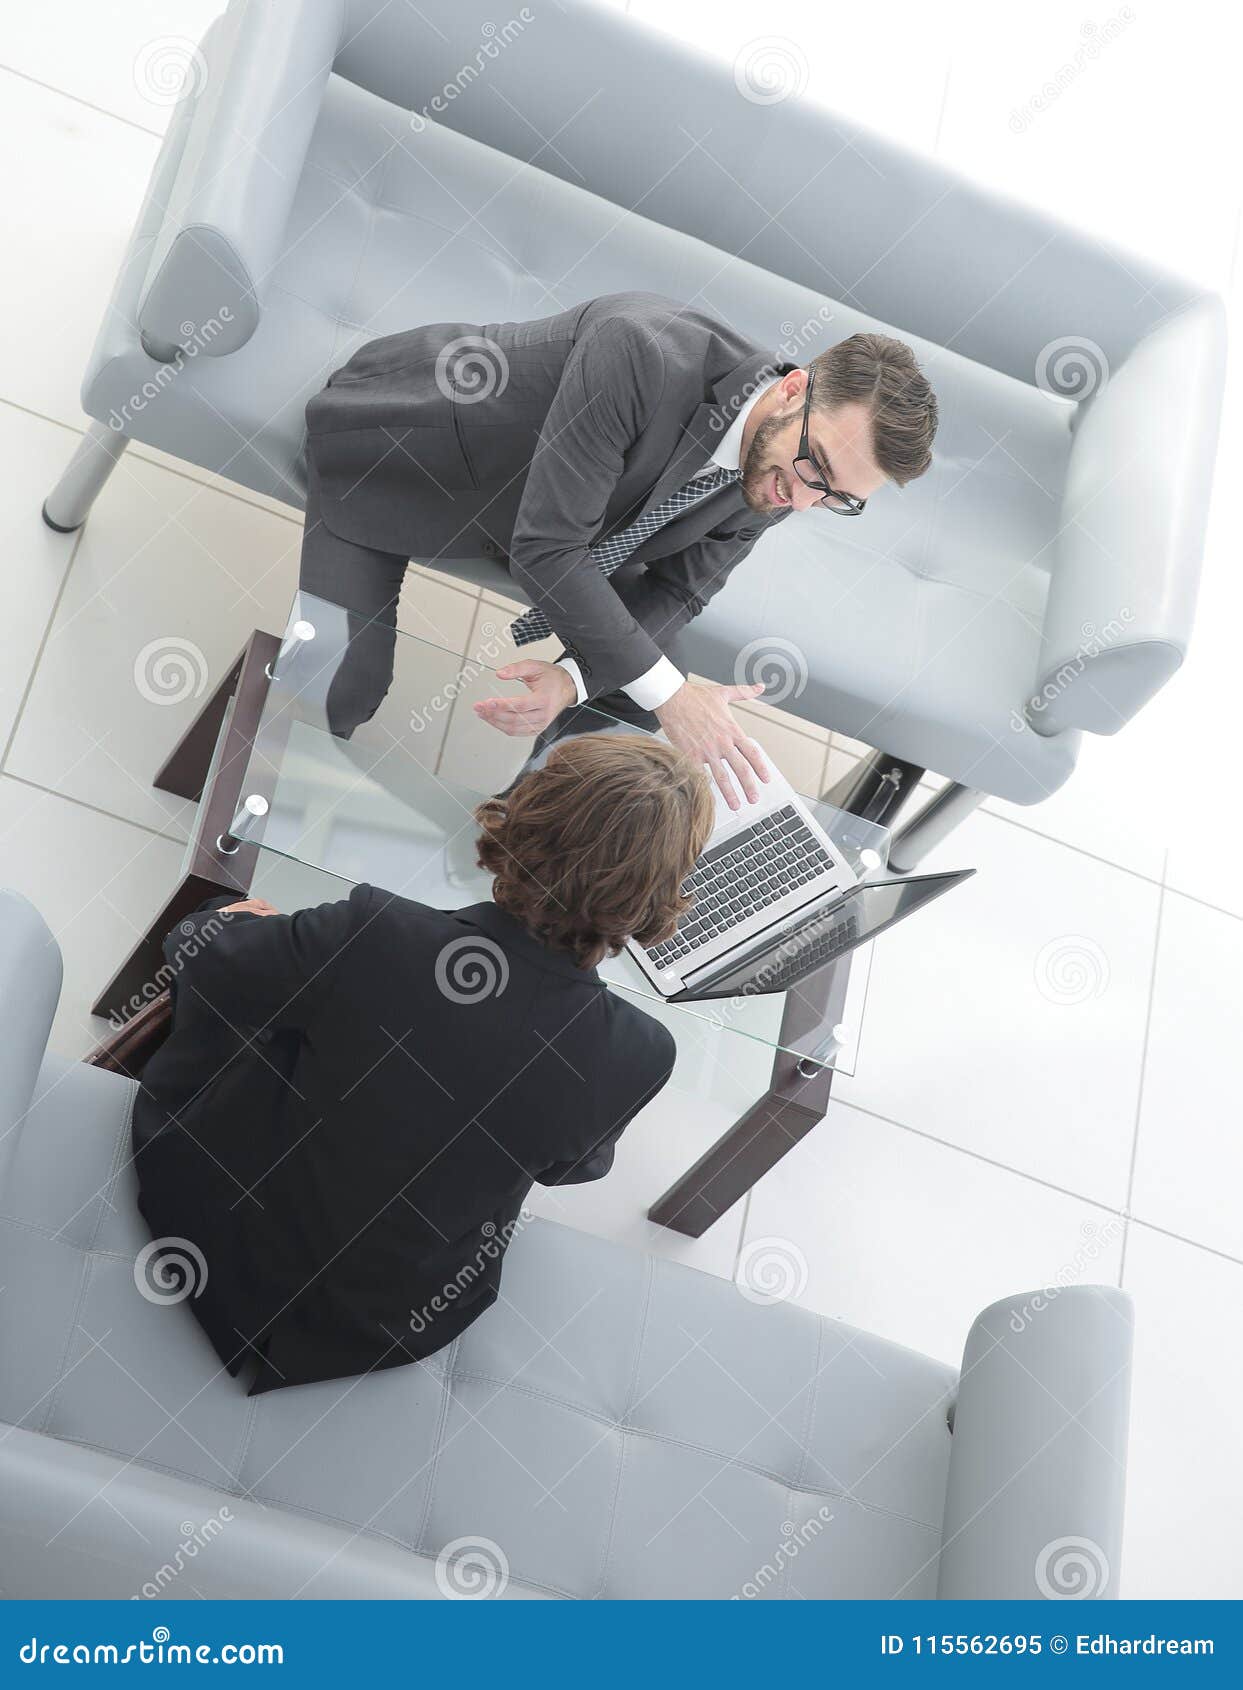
(788, 958)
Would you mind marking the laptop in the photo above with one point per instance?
(775, 902)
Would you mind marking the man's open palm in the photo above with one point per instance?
(550, 690)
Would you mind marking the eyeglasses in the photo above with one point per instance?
(812, 475)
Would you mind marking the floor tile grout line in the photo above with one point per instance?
(79, 100)
(1033, 1179)
(1079, 850)
(1143, 1069)
(95, 809)
(1202, 903)
(1191, 1243)
(39, 651)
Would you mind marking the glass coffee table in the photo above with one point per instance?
(306, 786)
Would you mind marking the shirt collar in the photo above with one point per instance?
(728, 454)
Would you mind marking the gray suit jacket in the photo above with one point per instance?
(558, 433)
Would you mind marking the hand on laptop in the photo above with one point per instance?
(549, 691)
(698, 720)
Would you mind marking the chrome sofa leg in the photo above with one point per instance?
(937, 819)
(68, 504)
(876, 788)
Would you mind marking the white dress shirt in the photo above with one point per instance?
(659, 683)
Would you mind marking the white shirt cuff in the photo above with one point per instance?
(576, 675)
(657, 686)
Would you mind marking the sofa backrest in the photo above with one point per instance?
(656, 126)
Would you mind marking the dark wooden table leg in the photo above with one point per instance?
(185, 768)
(796, 1101)
(208, 870)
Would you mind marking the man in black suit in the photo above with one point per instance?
(621, 459)
(354, 1100)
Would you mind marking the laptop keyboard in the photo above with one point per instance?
(797, 956)
(743, 875)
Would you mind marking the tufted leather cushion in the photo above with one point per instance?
(619, 1426)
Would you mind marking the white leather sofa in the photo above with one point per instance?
(615, 1426)
(345, 168)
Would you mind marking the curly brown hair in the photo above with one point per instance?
(591, 849)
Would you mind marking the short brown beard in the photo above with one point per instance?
(755, 469)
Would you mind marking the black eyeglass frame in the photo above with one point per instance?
(850, 506)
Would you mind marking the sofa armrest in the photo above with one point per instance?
(1037, 1470)
(1134, 510)
(257, 93)
(30, 980)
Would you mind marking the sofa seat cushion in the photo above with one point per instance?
(617, 1425)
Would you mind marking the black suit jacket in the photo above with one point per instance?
(350, 1110)
(528, 441)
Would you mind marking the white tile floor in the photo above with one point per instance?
(1049, 1076)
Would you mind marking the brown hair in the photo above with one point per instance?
(882, 373)
(592, 849)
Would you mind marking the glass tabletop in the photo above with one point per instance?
(354, 790)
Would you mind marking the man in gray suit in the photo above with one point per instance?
(621, 458)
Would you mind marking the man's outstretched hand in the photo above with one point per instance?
(698, 720)
(550, 690)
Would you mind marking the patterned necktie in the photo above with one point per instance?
(610, 554)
